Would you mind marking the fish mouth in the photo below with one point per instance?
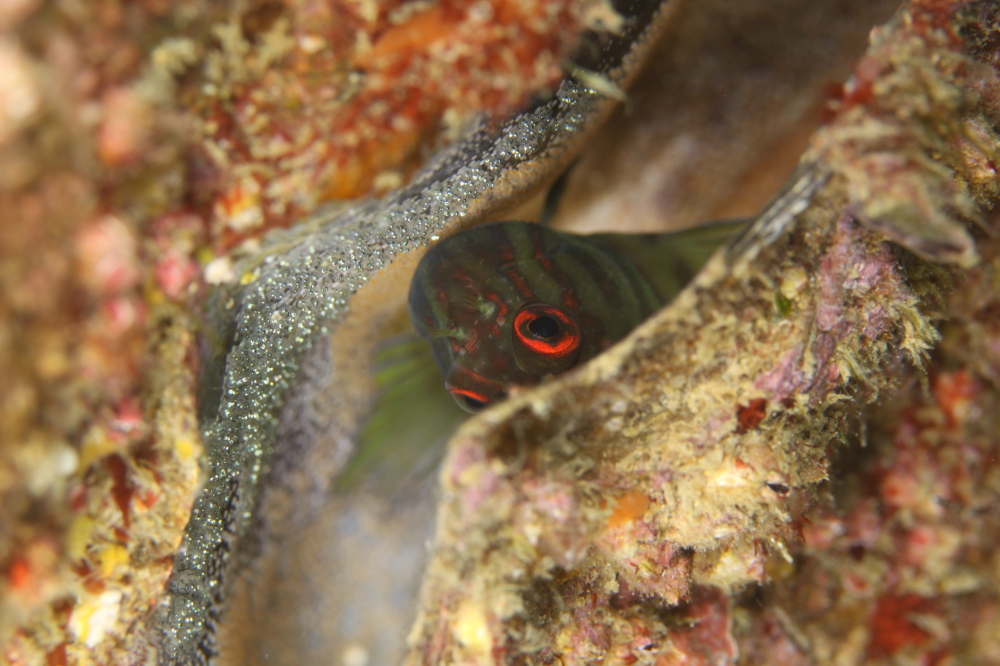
(472, 391)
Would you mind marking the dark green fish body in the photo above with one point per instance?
(510, 303)
(670, 260)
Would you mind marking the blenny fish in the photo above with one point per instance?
(510, 303)
(274, 405)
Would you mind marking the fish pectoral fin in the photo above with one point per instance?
(411, 418)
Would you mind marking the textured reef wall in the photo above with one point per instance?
(688, 459)
(696, 495)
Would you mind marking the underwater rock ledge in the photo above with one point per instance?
(275, 407)
(684, 459)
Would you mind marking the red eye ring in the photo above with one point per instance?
(547, 330)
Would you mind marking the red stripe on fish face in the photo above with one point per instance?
(505, 250)
(519, 283)
(570, 300)
(469, 400)
(472, 342)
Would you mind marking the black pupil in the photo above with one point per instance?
(472, 403)
(544, 327)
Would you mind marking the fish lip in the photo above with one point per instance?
(465, 381)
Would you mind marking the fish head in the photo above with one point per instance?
(510, 303)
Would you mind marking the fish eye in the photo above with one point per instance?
(546, 339)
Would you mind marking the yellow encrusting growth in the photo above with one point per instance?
(471, 629)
